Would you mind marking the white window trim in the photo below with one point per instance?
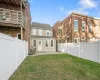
(33, 31)
(90, 27)
(40, 31)
(74, 26)
(50, 43)
(47, 42)
(36, 43)
(47, 31)
(84, 26)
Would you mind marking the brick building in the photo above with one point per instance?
(77, 28)
(15, 19)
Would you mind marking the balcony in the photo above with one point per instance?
(11, 17)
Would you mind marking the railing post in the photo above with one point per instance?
(17, 17)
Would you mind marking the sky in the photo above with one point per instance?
(51, 11)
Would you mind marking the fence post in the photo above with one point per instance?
(99, 52)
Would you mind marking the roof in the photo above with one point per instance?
(74, 13)
(41, 26)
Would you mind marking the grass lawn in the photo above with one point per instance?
(57, 67)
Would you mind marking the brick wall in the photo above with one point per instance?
(68, 33)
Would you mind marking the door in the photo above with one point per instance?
(39, 45)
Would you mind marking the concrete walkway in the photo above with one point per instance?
(44, 53)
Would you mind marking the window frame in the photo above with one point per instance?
(83, 28)
(75, 25)
(47, 43)
(47, 31)
(34, 42)
(59, 31)
(52, 41)
(17, 36)
(40, 32)
(33, 31)
(90, 27)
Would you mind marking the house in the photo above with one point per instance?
(15, 19)
(42, 37)
(77, 28)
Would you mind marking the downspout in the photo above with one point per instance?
(22, 19)
(72, 27)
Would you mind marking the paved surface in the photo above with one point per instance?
(44, 53)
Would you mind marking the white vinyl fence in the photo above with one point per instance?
(12, 54)
(86, 50)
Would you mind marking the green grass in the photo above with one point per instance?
(57, 67)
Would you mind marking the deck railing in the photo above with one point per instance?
(11, 16)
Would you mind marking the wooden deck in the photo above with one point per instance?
(8, 16)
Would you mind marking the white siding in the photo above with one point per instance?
(40, 32)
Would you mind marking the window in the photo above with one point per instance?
(47, 33)
(83, 25)
(40, 32)
(46, 44)
(90, 27)
(51, 43)
(59, 31)
(34, 43)
(39, 42)
(19, 36)
(33, 31)
(75, 25)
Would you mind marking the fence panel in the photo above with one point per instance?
(85, 50)
(12, 53)
(90, 51)
(73, 48)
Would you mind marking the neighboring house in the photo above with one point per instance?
(15, 19)
(77, 28)
(42, 37)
